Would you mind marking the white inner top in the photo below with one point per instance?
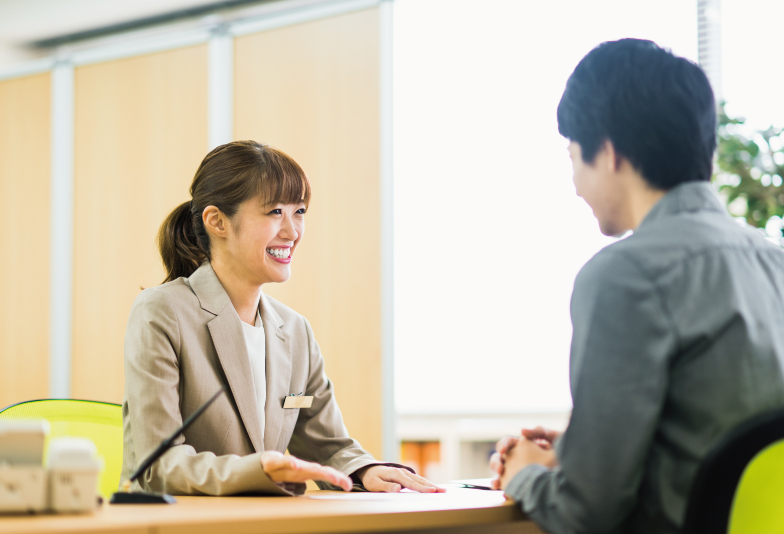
(257, 351)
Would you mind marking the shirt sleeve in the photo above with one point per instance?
(622, 339)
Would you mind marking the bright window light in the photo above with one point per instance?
(753, 77)
(489, 234)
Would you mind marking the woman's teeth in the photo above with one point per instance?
(281, 253)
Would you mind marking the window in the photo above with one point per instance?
(489, 234)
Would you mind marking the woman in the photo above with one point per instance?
(210, 323)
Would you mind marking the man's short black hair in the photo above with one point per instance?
(657, 109)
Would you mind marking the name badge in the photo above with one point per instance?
(298, 401)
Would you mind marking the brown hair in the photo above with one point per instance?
(229, 175)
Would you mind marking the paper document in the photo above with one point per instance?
(406, 494)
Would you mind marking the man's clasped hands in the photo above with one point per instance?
(533, 446)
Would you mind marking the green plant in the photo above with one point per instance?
(749, 171)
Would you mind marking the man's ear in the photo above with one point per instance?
(614, 159)
(214, 221)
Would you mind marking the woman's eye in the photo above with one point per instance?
(275, 212)
(301, 211)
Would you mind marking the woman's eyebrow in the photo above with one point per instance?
(277, 205)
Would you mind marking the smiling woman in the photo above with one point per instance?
(228, 176)
(209, 323)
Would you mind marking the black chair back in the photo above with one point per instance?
(713, 490)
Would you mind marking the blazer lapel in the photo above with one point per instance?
(229, 341)
(226, 332)
(278, 362)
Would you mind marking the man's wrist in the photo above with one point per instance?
(519, 483)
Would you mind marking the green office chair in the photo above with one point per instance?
(99, 421)
(739, 488)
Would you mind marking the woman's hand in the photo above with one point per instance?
(387, 479)
(283, 468)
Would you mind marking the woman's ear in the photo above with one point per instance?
(215, 221)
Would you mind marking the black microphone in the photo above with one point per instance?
(142, 497)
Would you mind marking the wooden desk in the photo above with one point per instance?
(458, 511)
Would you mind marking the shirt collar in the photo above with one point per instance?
(684, 198)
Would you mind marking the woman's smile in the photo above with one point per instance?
(280, 254)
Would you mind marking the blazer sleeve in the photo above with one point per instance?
(320, 435)
(152, 385)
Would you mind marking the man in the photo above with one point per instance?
(678, 331)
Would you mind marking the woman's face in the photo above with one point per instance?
(261, 240)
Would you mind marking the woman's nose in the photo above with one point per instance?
(288, 230)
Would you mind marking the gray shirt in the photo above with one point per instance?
(678, 336)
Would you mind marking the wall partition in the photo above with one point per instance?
(136, 117)
(312, 90)
(24, 270)
(140, 133)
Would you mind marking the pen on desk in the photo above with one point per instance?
(167, 443)
(475, 486)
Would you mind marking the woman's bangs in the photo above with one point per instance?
(282, 180)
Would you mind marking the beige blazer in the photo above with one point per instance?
(183, 339)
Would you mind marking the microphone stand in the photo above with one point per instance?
(143, 497)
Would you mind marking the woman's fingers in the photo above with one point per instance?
(405, 479)
(275, 461)
(393, 479)
(424, 481)
(281, 468)
(271, 460)
(311, 471)
(386, 487)
(334, 477)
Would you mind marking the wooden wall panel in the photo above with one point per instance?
(141, 132)
(312, 90)
(24, 269)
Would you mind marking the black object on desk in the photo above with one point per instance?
(141, 497)
(476, 486)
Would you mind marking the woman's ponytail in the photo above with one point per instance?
(228, 176)
(179, 245)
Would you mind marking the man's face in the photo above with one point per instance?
(596, 183)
